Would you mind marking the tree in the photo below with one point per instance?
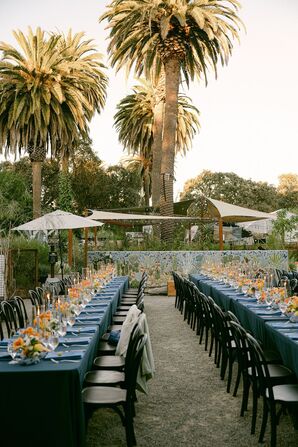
(288, 191)
(284, 224)
(15, 197)
(135, 121)
(93, 186)
(229, 187)
(184, 37)
(142, 165)
(49, 90)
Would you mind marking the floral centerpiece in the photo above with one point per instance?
(28, 347)
(292, 309)
(46, 322)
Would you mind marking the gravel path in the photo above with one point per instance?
(187, 403)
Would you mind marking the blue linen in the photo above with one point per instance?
(60, 388)
(76, 355)
(267, 327)
(74, 340)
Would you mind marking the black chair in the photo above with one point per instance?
(18, 303)
(35, 298)
(112, 377)
(132, 292)
(118, 398)
(40, 293)
(9, 318)
(253, 366)
(272, 392)
(116, 362)
(1, 328)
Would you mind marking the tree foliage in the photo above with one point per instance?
(231, 188)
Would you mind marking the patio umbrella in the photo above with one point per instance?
(58, 220)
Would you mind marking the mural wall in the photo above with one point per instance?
(160, 264)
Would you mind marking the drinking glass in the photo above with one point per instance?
(62, 327)
(53, 341)
(10, 349)
(71, 319)
(283, 307)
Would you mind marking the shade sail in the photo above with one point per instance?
(105, 216)
(57, 220)
(234, 213)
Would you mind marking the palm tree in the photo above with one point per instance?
(135, 122)
(142, 164)
(48, 93)
(182, 36)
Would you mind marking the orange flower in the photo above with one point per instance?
(29, 331)
(18, 344)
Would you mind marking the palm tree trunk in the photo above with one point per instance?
(36, 188)
(146, 187)
(172, 72)
(156, 152)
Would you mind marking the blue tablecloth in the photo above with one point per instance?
(267, 326)
(41, 404)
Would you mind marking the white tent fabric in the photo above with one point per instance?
(57, 220)
(106, 216)
(234, 213)
(265, 226)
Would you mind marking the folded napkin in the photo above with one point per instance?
(273, 317)
(4, 355)
(4, 342)
(78, 329)
(89, 317)
(246, 300)
(99, 310)
(96, 305)
(74, 340)
(258, 306)
(285, 325)
(65, 355)
(266, 312)
(103, 295)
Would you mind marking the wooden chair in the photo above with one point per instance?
(121, 400)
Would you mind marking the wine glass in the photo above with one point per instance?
(283, 307)
(62, 327)
(11, 350)
(71, 319)
(53, 341)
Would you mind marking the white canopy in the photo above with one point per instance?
(234, 213)
(57, 220)
(106, 216)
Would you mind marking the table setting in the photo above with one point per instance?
(269, 311)
(42, 367)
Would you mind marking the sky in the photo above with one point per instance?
(248, 116)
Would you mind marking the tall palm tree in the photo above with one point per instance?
(48, 93)
(142, 164)
(182, 36)
(135, 122)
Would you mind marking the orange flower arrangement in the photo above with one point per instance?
(29, 348)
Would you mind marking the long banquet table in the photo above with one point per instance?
(41, 405)
(270, 327)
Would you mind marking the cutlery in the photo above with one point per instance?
(64, 361)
